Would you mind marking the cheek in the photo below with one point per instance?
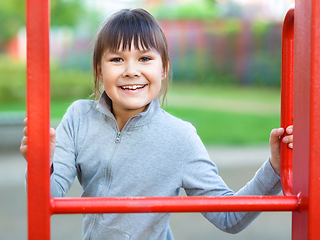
(109, 74)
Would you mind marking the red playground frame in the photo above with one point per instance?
(300, 170)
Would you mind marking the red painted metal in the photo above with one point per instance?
(287, 98)
(306, 155)
(314, 177)
(314, 167)
(174, 204)
(38, 112)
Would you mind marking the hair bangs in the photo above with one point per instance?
(130, 31)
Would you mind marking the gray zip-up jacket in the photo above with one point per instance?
(155, 154)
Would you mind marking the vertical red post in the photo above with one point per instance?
(287, 98)
(314, 184)
(306, 153)
(38, 113)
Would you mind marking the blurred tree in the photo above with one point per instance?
(13, 13)
(210, 3)
(66, 12)
(12, 18)
(201, 9)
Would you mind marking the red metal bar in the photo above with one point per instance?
(301, 112)
(307, 115)
(314, 182)
(287, 98)
(174, 204)
(38, 112)
(306, 154)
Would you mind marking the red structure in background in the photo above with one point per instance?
(306, 154)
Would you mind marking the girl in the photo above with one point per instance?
(125, 145)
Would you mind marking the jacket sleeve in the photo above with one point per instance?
(200, 178)
(64, 160)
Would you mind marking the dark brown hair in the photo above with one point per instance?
(125, 27)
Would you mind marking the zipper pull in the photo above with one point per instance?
(118, 138)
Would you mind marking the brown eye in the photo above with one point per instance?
(145, 59)
(116, 60)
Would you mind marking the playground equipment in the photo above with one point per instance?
(300, 177)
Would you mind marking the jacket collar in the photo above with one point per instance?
(104, 106)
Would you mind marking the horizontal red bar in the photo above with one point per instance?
(174, 204)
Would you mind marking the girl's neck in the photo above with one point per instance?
(122, 115)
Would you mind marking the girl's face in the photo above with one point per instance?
(131, 79)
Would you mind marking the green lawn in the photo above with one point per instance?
(221, 115)
(228, 128)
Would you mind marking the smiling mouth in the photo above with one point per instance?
(133, 87)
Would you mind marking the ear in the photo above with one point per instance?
(99, 73)
(164, 74)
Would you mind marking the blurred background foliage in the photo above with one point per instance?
(68, 84)
(208, 43)
(203, 9)
(13, 16)
(212, 45)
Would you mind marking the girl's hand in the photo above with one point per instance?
(24, 141)
(274, 141)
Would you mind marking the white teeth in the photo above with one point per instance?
(132, 87)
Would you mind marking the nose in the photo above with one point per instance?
(131, 70)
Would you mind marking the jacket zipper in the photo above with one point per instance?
(117, 141)
(108, 175)
(109, 167)
(118, 137)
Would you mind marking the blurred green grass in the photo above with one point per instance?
(228, 115)
(228, 128)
